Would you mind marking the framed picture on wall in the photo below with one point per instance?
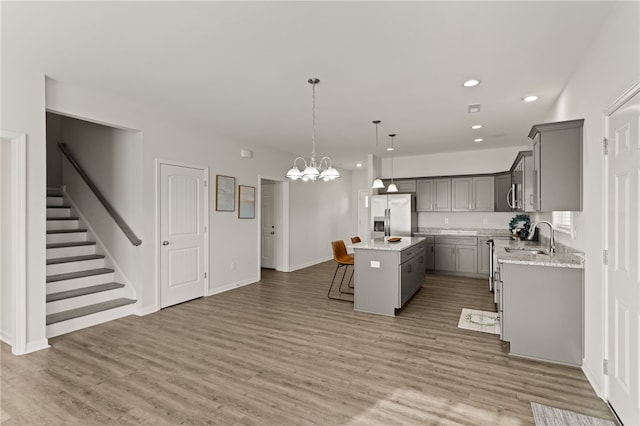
(246, 202)
(225, 193)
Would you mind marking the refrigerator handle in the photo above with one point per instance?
(387, 222)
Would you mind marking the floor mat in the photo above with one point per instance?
(550, 416)
(472, 319)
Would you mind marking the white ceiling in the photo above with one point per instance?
(241, 68)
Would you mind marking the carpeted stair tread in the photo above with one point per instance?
(82, 291)
(63, 218)
(79, 274)
(74, 259)
(71, 244)
(65, 231)
(88, 310)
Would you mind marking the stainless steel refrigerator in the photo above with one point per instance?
(394, 215)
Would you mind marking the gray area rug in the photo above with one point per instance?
(550, 416)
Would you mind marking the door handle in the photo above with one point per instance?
(509, 197)
(272, 232)
(165, 243)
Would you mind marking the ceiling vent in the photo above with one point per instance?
(471, 108)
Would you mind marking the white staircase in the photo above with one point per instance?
(81, 288)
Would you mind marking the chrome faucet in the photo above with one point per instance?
(552, 237)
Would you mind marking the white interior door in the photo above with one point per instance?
(268, 225)
(182, 234)
(623, 276)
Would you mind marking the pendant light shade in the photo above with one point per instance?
(312, 170)
(392, 186)
(377, 182)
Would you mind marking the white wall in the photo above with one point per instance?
(611, 66)
(54, 156)
(317, 211)
(453, 163)
(112, 158)
(23, 111)
(6, 284)
(323, 214)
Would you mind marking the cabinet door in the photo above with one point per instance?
(467, 259)
(484, 256)
(430, 253)
(461, 194)
(425, 195)
(535, 174)
(442, 195)
(527, 184)
(502, 184)
(483, 194)
(445, 257)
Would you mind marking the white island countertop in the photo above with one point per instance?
(383, 244)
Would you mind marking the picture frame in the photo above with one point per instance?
(246, 202)
(225, 193)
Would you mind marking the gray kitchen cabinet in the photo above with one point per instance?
(430, 255)
(484, 256)
(557, 166)
(542, 312)
(472, 194)
(433, 195)
(501, 186)
(403, 185)
(456, 254)
(521, 193)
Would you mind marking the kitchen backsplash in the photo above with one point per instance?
(465, 220)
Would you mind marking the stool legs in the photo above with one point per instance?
(345, 266)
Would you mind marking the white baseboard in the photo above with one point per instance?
(592, 378)
(6, 338)
(307, 264)
(146, 310)
(38, 345)
(231, 286)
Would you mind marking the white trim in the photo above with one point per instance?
(38, 345)
(18, 196)
(591, 377)
(609, 111)
(158, 231)
(231, 286)
(311, 263)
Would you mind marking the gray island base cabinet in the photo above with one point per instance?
(542, 315)
(387, 274)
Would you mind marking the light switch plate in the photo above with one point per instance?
(375, 264)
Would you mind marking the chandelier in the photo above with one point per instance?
(377, 182)
(312, 170)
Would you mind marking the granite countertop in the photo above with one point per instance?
(382, 244)
(472, 232)
(563, 258)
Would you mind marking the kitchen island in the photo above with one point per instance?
(387, 274)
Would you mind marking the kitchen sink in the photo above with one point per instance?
(525, 250)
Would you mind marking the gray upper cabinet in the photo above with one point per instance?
(434, 195)
(403, 186)
(502, 184)
(472, 194)
(521, 193)
(557, 166)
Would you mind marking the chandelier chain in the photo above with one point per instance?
(313, 122)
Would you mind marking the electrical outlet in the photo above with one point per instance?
(233, 266)
(446, 220)
(485, 221)
(375, 264)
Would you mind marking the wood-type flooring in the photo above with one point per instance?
(278, 352)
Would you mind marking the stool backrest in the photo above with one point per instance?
(340, 254)
(355, 239)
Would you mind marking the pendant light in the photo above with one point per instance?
(312, 170)
(392, 186)
(377, 182)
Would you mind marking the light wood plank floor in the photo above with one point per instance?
(280, 352)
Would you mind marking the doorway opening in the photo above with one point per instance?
(273, 232)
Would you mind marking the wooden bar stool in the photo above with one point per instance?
(344, 260)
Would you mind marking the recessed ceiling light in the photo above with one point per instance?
(478, 140)
(531, 98)
(390, 149)
(476, 126)
(471, 83)
(358, 164)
